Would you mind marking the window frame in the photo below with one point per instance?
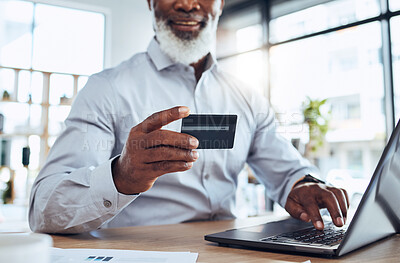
(45, 105)
(106, 12)
(384, 18)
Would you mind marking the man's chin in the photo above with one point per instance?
(185, 35)
(184, 46)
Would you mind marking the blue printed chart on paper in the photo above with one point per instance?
(59, 255)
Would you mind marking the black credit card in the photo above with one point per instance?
(213, 131)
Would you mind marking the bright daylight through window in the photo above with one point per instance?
(344, 67)
(394, 5)
(320, 17)
(395, 22)
(240, 38)
(35, 41)
(323, 56)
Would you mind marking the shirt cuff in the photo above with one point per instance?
(103, 191)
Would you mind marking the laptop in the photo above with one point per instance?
(377, 217)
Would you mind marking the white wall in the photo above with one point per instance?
(129, 25)
(132, 28)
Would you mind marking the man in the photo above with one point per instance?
(101, 172)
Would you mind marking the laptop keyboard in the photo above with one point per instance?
(330, 236)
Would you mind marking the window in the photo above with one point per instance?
(76, 44)
(46, 54)
(50, 38)
(240, 46)
(16, 33)
(355, 161)
(239, 32)
(336, 67)
(321, 49)
(250, 68)
(319, 17)
(394, 5)
(318, 54)
(395, 22)
(346, 107)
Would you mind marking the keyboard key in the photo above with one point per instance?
(330, 236)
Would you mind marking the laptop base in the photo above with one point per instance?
(249, 238)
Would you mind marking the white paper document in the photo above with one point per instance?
(59, 255)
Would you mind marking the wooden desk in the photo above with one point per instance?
(190, 237)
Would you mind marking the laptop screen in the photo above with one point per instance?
(378, 214)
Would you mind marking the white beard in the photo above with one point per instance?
(182, 50)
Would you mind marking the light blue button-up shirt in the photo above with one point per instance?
(75, 192)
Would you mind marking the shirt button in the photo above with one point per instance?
(107, 203)
(207, 176)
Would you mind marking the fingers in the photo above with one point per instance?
(307, 209)
(170, 138)
(330, 201)
(304, 202)
(346, 196)
(150, 152)
(164, 167)
(312, 210)
(169, 154)
(340, 195)
(159, 119)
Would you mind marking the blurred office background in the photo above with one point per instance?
(330, 69)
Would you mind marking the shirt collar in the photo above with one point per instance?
(211, 61)
(162, 61)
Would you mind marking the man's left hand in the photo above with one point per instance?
(305, 200)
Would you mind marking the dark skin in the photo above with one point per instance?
(199, 68)
(151, 152)
(305, 200)
(186, 18)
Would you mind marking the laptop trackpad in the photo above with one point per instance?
(278, 227)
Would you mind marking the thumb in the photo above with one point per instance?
(159, 119)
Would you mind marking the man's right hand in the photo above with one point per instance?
(150, 152)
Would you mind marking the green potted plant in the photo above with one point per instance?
(318, 124)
